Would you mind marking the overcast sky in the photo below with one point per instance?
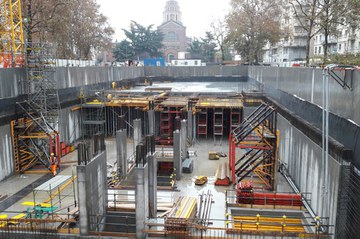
(196, 14)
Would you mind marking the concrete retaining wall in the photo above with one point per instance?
(68, 77)
(196, 71)
(6, 153)
(303, 159)
(69, 125)
(306, 83)
(10, 82)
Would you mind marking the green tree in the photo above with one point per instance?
(123, 51)
(252, 24)
(208, 47)
(195, 49)
(203, 48)
(142, 41)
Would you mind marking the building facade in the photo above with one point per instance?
(174, 31)
(347, 41)
(290, 49)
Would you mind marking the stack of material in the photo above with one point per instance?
(222, 175)
(246, 195)
(129, 207)
(180, 217)
(245, 192)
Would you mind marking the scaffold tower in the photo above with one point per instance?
(35, 133)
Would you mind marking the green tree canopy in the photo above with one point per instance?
(203, 48)
(141, 42)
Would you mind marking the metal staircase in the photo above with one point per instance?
(259, 136)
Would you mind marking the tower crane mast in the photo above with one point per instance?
(11, 34)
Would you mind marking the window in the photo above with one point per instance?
(170, 57)
(171, 36)
(195, 63)
(315, 50)
(319, 49)
(339, 47)
(175, 62)
(186, 63)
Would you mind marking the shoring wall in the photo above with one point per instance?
(6, 152)
(297, 91)
(303, 159)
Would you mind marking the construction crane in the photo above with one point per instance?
(36, 139)
(11, 34)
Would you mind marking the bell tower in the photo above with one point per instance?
(172, 12)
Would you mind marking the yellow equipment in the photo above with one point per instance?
(213, 155)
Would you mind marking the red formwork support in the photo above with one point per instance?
(57, 147)
(202, 118)
(278, 199)
(232, 148)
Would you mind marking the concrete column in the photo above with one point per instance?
(151, 116)
(84, 215)
(177, 157)
(92, 188)
(190, 125)
(183, 139)
(121, 152)
(141, 199)
(137, 132)
(152, 164)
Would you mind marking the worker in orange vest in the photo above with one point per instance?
(53, 163)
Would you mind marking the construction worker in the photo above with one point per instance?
(53, 163)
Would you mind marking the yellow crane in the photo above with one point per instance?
(11, 34)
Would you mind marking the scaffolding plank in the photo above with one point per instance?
(53, 183)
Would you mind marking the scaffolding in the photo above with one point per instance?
(34, 131)
(259, 137)
(171, 111)
(217, 116)
(11, 34)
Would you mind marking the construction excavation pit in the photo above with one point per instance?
(157, 157)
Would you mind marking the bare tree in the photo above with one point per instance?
(252, 24)
(307, 14)
(332, 13)
(219, 32)
(75, 26)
